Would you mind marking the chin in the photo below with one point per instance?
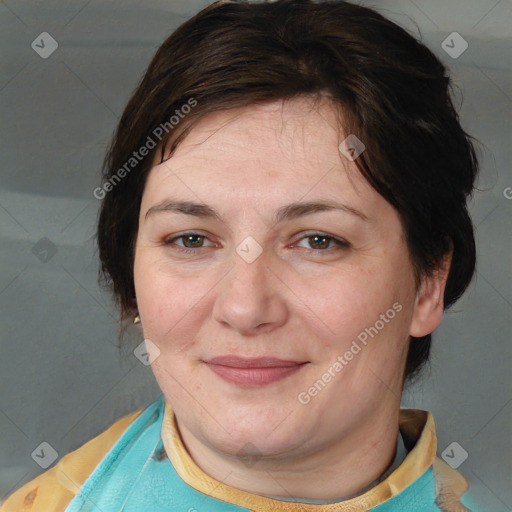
(256, 434)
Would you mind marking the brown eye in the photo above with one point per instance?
(321, 242)
(190, 242)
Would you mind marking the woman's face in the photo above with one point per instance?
(257, 278)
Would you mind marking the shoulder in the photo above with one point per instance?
(55, 488)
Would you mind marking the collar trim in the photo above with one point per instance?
(416, 426)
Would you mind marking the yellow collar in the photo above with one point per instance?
(417, 428)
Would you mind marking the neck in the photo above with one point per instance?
(342, 469)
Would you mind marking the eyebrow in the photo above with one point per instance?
(287, 212)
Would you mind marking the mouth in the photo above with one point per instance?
(253, 372)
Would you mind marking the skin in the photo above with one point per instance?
(295, 301)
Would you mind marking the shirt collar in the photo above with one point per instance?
(416, 426)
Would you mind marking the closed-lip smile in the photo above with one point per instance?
(253, 372)
(252, 362)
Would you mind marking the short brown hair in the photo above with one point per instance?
(394, 94)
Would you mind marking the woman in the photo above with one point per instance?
(284, 216)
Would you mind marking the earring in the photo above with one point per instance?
(136, 320)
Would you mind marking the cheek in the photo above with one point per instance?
(172, 304)
(353, 300)
(373, 308)
(158, 297)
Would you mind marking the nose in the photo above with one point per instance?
(250, 297)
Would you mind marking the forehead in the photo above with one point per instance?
(289, 127)
(287, 150)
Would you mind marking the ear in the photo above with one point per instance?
(429, 304)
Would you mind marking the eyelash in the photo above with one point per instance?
(341, 244)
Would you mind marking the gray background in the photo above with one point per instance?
(63, 379)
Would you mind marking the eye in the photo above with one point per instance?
(191, 242)
(320, 242)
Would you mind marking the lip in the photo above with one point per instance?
(253, 372)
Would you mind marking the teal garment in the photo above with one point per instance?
(131, 478)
